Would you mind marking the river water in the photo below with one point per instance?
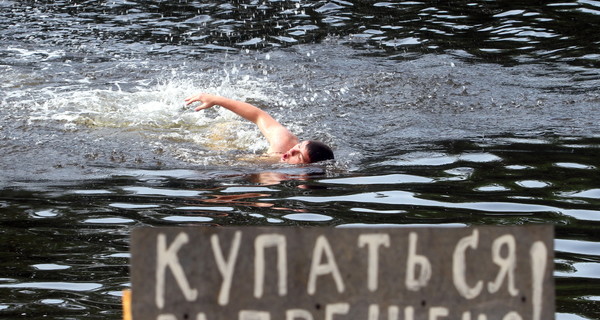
(443, 113)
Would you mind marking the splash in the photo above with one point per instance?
(155, 110)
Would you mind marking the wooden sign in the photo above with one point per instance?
(264, 273)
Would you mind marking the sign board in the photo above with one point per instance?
(264, 273)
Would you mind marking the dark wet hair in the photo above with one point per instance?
(318, 151)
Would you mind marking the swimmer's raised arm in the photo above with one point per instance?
(279, 137)
(281, 140)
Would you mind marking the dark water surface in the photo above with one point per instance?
(443, 113)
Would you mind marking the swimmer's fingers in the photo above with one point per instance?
(198, 98)
(203, 106)
(191, 99)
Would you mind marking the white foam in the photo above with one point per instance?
(158, 110)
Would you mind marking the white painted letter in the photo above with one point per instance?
(437, 312)
(507, 265)
(226, 267)
(373, 242)
(412, 282)
(393, 312)
(318, 269)
(467, 316)
(166, 316)
(409, 313)
(336, 308)
(512, 316)
(201, 316)
(260, 243)
(298, 313)
(254, 315)
(168, 258)
(538, 254)
(459, 267)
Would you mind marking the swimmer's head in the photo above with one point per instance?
(308, 152)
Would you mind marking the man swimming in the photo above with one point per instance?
(282, 142)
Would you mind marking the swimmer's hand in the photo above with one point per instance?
(206, 100)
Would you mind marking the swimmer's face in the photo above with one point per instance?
(297, 154)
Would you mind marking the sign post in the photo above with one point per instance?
(264, 273)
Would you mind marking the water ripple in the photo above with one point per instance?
(61, 286)
(177, 27)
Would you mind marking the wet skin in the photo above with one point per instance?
(298, 154)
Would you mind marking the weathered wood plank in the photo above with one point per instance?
(324, 273)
